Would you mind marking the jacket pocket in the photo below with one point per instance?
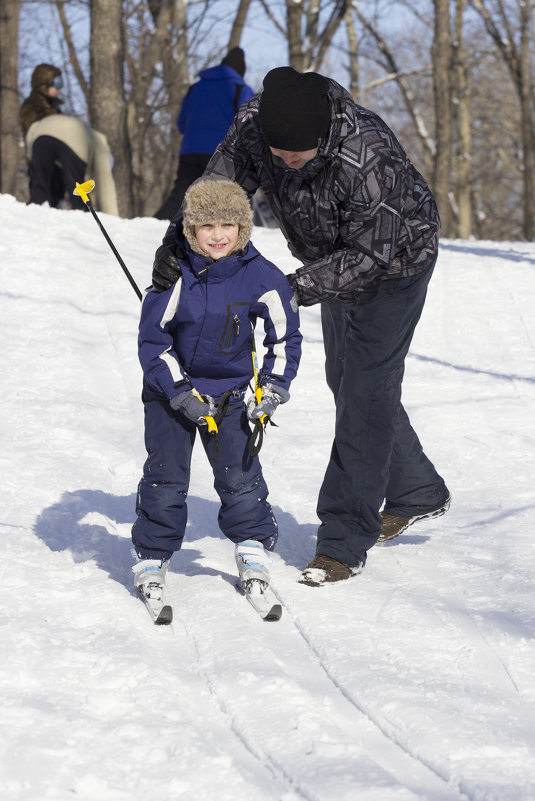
(236, 331)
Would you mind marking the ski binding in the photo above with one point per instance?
(262, 599)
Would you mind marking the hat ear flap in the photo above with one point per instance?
(189, 236)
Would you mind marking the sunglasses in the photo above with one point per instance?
(57, 82)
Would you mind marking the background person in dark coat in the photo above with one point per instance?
(364, 223)
(205, 116)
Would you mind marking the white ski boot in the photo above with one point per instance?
(252, 562)
(149, 580)
(149, 577)
(253, 566)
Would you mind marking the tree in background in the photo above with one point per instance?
(461, 108)
(513, 43)
(9, 99)
(107, 101)
(433, 69)
(441, 53)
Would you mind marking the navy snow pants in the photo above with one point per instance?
(376, 455)
(162, 493)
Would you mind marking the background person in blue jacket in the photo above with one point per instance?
(205, 116)
(196, 340)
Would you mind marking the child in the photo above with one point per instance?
(195, 348)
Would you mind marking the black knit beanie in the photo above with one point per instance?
(294, 111)
(235, 59)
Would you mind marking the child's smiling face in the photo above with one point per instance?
(217, 239)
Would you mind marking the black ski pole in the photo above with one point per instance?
(83, 190)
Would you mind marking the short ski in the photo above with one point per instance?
(262, 600)
(161, 613)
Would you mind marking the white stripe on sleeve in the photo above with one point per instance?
(278, 318)
(172, 364)
(172, 305)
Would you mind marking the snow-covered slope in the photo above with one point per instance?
(412, 681)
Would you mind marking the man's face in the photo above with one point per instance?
(294, 159)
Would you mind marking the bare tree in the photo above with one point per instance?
(353, 53)
(394, 72)
(310, 27)
(9, 100)
(107, 102)
(72, 49)
(157, 62)
(443, 129)
(461, 104)
(514, 47)
(239, 23)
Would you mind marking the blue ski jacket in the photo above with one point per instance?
(209, 107)
(199, 333)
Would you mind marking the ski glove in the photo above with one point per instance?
(272, 395)
(193, 406)
(166, 269)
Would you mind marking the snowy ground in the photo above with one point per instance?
(412, 681)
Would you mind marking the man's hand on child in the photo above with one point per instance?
(166, 270)
(272, 395)
(193, 406)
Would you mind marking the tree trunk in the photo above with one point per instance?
(526, 10)
(108, 107)
(238, 24)
(517, 59)
(353, 53)
(9, 99)
(441, 86)
(464, 157)
(295, 41)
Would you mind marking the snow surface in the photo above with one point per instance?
(414, 680)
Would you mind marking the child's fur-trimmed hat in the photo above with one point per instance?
(216, 200)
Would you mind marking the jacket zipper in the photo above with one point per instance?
(235, 328)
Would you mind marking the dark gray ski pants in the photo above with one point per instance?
(376, 455)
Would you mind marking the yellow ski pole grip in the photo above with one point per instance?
(257, 388)
(258, 396)
(83, 190)
(210, 422)
(212, 426)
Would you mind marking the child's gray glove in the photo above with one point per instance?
(193, 406)
(272, 395)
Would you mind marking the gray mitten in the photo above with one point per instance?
(272, 395)
(193, 406)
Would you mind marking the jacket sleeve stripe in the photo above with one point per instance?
(172, 365)
(172, 306)
(278, 319)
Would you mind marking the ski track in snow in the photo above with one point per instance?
(412, 682)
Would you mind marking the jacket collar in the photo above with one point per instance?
(222, 268)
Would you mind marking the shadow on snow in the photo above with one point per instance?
(95, 526)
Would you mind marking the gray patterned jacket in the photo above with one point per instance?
(359, 212)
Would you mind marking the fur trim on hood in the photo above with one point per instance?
(216, 200)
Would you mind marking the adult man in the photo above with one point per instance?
(363, 221)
